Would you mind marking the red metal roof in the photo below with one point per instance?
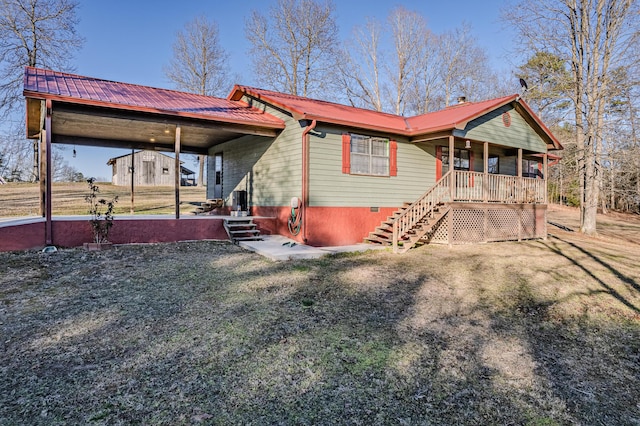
(453, 117)
(41, 83)
(306, 108)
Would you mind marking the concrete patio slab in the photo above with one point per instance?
(277, 247)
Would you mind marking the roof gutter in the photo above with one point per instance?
(305, 177)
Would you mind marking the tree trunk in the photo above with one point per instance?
(591, 193)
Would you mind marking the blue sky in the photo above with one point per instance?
(131, 41)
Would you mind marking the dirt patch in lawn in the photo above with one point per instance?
(537, 332)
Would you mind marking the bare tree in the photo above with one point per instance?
(409, 32)
(422, 71)
(424, 96)
(464, 67)
(33, 33)
(294, 46)
(594, 37)
(379, 79)
(199, 65)
(361, 67)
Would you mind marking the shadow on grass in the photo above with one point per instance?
(590, 364)
(628, 281)
(207, 333)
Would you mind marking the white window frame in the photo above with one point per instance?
(369, 156)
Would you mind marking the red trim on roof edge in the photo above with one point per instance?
(455, 116)
(81, 90)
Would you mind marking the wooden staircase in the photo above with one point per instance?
(407, 226)
(208, 206)
(241, 229)
(383, 234)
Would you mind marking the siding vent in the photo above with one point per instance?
(506, 119)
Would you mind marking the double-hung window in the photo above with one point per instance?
(369, 155)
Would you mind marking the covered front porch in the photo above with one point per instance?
(74, 110)
(473, 206)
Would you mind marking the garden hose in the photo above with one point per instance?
(295, 221)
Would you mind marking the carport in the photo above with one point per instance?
(71, 109)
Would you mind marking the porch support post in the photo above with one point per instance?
(133, 171)
(177, 171)
(545, 167)
(519, 186)
(47, 196)
(519, 165)
(485, 180)
(42, 178)
(452, 181)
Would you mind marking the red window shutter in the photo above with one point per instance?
(438, 162)
(393, 158)
(346, 153)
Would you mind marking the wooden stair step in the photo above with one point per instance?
(378, 241)
(242, 229)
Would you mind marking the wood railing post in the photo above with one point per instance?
(485, 180)
(452, 183)
(395, 236)
(545, 160)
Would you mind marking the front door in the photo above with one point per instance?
(217, 175)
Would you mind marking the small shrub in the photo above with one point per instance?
(101, 211)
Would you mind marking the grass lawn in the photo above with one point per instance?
(530, 333)
(22, 199)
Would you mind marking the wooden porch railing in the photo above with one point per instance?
(468, 187)
(472, 187)
(424, 206)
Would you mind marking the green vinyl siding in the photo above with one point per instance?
(491, 128)
(329, 187)
(508, 165)
(269, 169)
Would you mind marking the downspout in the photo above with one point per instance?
(305, 177)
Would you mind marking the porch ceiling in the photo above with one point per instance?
(79, 124)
